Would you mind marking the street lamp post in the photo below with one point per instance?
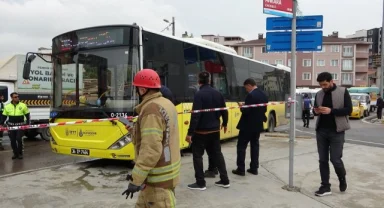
(172, 23)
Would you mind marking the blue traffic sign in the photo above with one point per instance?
(305, 41)
(302, 23)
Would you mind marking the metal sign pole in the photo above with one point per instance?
(292, 132)
(380, 76)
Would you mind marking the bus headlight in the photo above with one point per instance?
(122, 142)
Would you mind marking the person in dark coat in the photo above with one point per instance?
(380, 106)
(250, 126)
(166, 92)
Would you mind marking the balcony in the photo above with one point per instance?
(346, 82)
(248, 55)
(347, 54)
(361, 83)
(362, 55)
(361, 68)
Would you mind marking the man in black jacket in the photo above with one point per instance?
(204, 131)
(380, 106)
(250, 126)
(166, 92)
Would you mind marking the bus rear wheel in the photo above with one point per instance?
(271, 123)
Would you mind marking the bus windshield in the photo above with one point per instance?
(100, 78)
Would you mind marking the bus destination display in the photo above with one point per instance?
(91, 39)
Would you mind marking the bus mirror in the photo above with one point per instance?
(27, 70)
(27, 66)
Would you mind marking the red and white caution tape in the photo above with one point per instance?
(37, 126)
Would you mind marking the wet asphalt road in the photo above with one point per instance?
(37, 154)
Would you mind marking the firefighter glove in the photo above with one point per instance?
(131, 190)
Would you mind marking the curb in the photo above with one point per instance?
(369, 118)
(286, 136)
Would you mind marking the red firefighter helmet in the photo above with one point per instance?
(147, 78)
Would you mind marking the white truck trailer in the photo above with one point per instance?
(34, 92)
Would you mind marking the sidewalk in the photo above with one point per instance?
(84, 185)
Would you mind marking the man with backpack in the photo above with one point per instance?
(306, 110)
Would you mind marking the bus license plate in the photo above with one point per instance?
(79, 151)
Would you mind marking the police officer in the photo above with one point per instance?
(18, 114)
(156, 140)
(1, 115)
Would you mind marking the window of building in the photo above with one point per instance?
(279, 62)
(265, 61)
(347, 65)
(320, 62)
(335, 48)
(347, 78)
(335, 76)
(334, 62)
(248, 52)
(307, 62)
(216, 40)
(306, 76)
(289, 62)
(347, 51)
(263, 50)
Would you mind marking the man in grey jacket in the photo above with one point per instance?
(333, 105)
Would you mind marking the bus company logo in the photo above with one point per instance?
(87, 133)
(69, 132)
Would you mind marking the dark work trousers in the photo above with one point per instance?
(199, 143)
(211, 155)
(242, 143)
(306, 115)
(379, 113)
(329, 142)
(16, 137)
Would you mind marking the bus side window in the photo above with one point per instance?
(220, 83)
(4, 92)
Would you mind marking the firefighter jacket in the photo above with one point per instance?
(156, 140)
(18, 114)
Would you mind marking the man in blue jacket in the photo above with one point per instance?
(204, 131)
(250, 126)
(166, 92)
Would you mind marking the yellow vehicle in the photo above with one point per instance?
(358, 109)
(106, 59)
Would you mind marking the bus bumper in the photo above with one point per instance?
(126, 153)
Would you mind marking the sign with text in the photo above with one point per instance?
(306, 41)
(41, 76)
(282, 8)
(302, 23)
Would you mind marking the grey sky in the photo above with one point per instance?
(28, 24)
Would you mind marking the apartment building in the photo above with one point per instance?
(346, 59)
(224, 40)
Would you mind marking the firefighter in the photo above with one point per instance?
(18, 114)
(1, 115)
(156, 139)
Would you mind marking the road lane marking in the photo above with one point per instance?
(352, 140)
